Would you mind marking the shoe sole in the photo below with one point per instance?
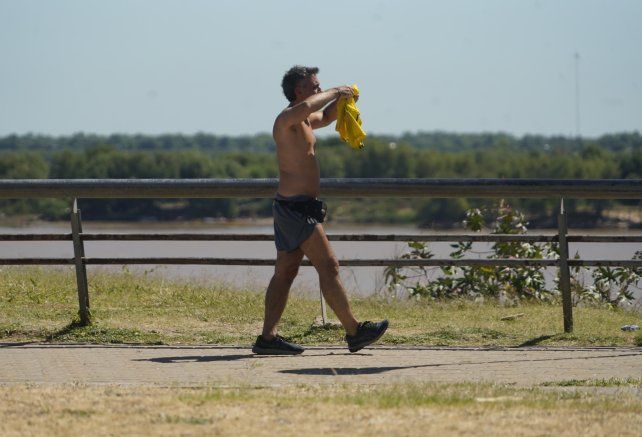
(269, 351)
(369, 342)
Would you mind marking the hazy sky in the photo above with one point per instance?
(158, 66)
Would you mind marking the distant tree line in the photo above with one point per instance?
(441, 141)
(420, 155)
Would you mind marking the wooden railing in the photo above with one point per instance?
(217, 188)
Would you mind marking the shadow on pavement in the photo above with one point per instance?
(196, 358)
(354, 370)
(211, 358)
(334, 371)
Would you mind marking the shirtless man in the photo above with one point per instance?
(298, 214)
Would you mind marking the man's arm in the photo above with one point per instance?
(312, 104)
(323, 118)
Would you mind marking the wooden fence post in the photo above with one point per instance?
(565, 276)
(81, 271)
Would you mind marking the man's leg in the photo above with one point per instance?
(317, 249)
(285, 270)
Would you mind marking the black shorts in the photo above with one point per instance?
(291, 226)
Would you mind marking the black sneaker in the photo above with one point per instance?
(367, 333)
(276, 346)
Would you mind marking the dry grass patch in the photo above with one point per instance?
(360, 410)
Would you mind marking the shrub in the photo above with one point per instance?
(612, 286)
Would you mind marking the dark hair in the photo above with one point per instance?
(292, 78)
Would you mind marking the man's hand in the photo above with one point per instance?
(345, 91)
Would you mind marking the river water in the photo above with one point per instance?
(360, 281)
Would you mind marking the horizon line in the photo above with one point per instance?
(325, 135)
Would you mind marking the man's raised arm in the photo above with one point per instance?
(323, 118)
(312, 104)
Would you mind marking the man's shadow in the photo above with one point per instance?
(337, 371)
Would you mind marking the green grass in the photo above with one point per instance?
(610, 382)
(40, 304)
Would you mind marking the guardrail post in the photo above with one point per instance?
(81, 271)
(324, 312)
(565, 274)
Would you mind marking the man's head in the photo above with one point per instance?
(300, 82)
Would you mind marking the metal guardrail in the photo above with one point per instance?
(253, 188)
(357, 187)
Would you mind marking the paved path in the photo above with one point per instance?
(198, 365)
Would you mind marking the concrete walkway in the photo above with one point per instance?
(204, 365)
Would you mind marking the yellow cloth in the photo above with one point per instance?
(349, 121)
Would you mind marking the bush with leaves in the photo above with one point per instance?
(612, 286)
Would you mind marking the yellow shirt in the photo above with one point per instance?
(349, 121)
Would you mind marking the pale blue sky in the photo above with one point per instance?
(159, 66)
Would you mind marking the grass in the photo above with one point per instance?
(408, 409)
(610, 382)
(40, 304)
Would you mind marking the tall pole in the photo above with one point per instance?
(577, 95)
